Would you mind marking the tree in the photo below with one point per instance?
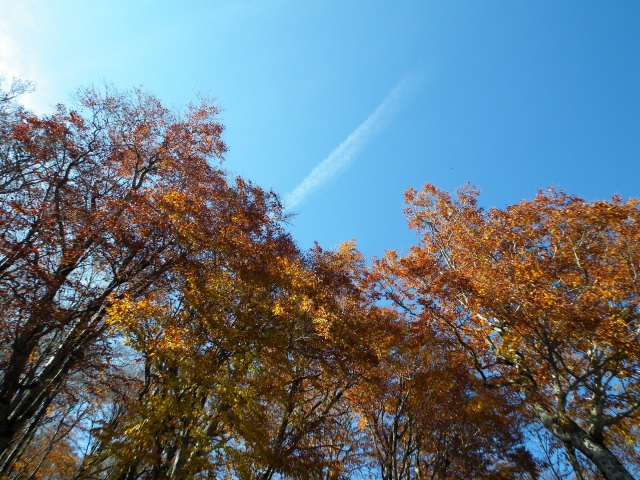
(297, 422)
(86, 201)
(247, 358)
(425, 414)
(193, 339)
(544, 297)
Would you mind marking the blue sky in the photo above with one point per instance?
(511, 96)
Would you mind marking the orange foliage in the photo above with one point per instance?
(543, 296)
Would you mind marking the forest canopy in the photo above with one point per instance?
(158, 320)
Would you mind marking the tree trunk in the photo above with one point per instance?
(567, 431)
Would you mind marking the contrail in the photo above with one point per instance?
(355, 143)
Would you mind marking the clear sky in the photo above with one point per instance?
(341, 105)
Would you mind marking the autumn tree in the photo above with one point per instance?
(193, 339)
(247, 359)
(84, 219)
(302, 426)
(544, 298)
(425, 415)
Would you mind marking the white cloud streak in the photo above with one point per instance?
(340, 158)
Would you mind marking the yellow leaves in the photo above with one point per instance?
(362, 423)
(278, 310)
(629, 438)
(134, 429)
(176, 199)
(480, 404)
(175, 339)
(323, 326)
(148, 326)
(125, 313)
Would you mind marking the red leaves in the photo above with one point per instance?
(80, 222)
